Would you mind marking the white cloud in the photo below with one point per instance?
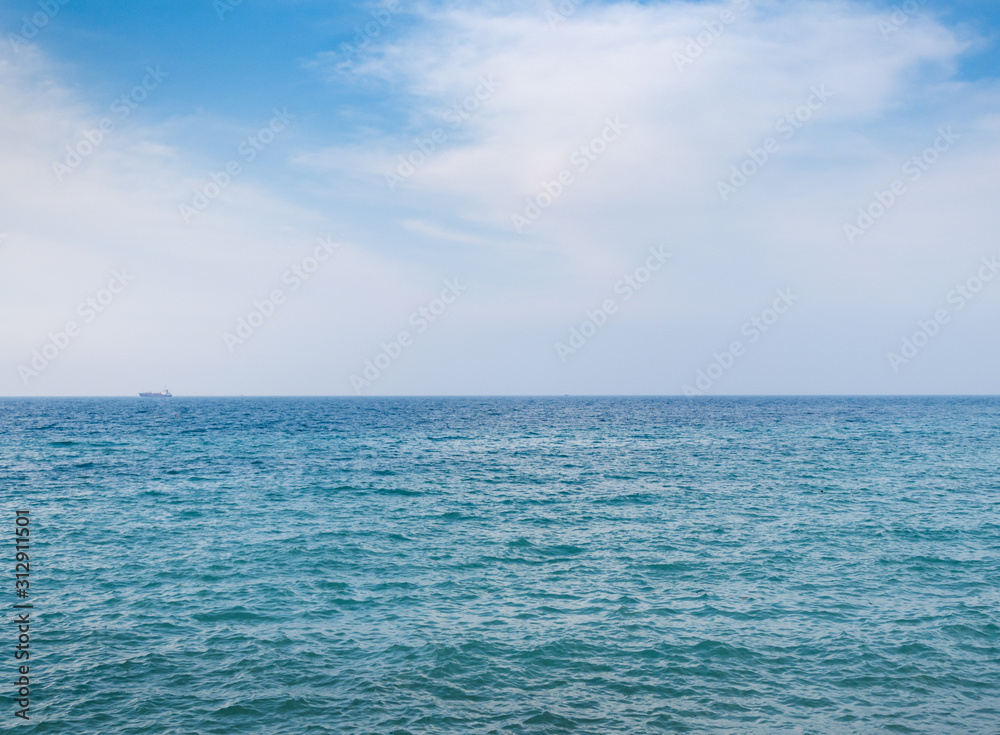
(654, 184)
(438, 232)
(120, 209)
(686, 129)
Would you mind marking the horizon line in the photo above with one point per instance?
(529, 395)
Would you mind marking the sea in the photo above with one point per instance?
(454, 566)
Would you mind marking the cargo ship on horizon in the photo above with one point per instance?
(157, 394)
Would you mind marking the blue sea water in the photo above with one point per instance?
(537, 565)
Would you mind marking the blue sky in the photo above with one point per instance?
(650, 147)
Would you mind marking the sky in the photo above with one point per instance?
(291, 197)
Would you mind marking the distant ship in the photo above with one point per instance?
(158, 394)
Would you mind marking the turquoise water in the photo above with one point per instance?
(507, 565)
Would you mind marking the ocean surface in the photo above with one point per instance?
(547, 565)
